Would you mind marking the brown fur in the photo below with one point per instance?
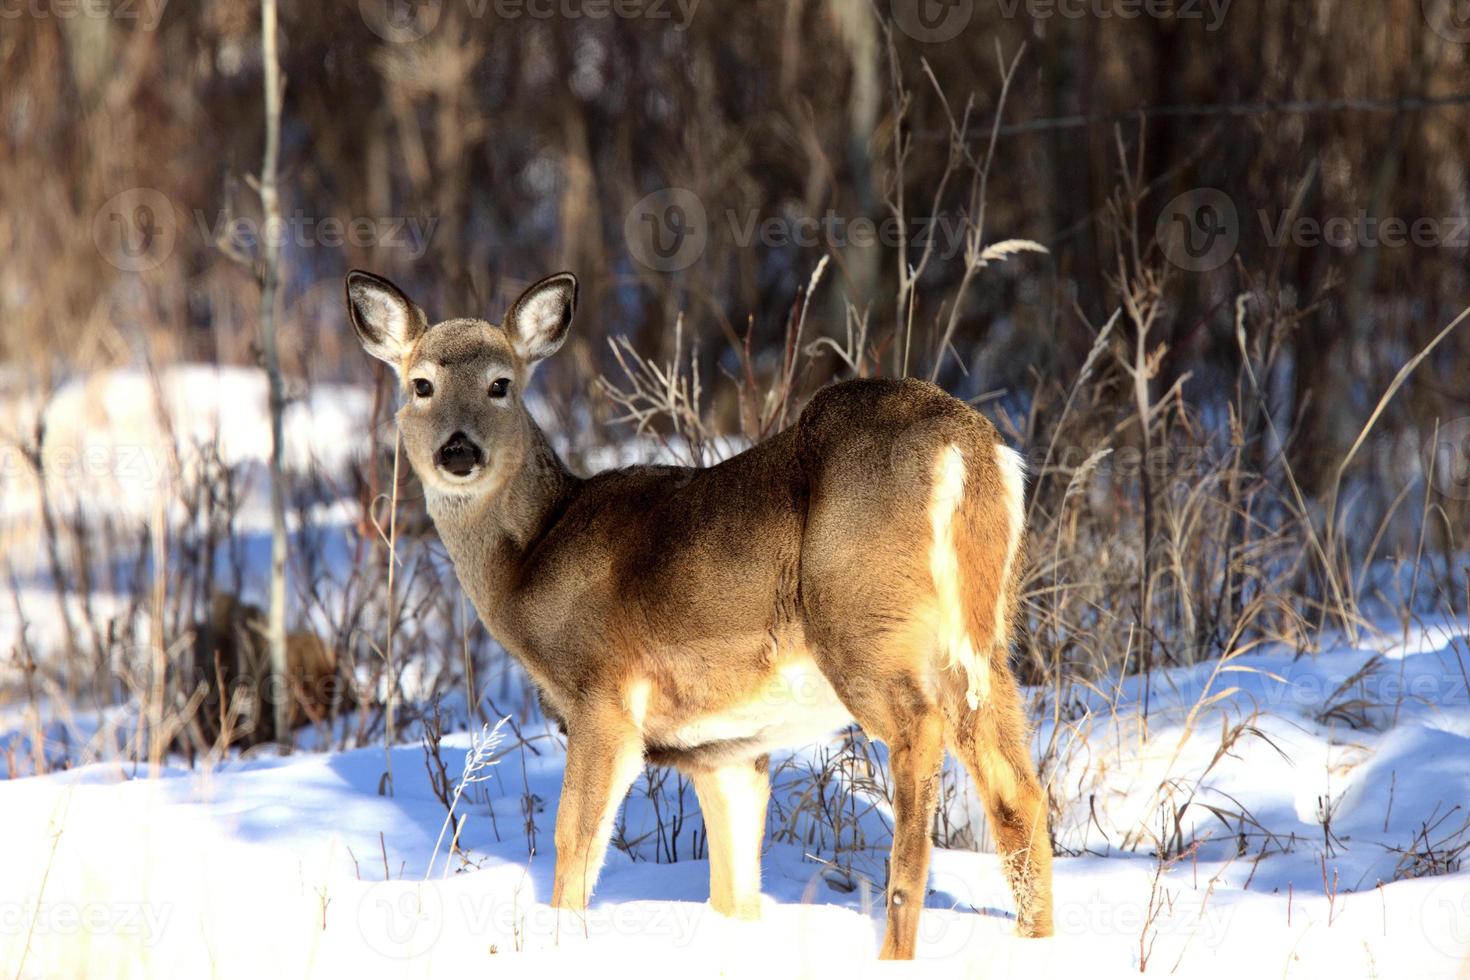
(701, 617)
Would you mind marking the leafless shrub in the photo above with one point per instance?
(1438, 846)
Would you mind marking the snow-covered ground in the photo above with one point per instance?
(1306, 806)
(299, 866)
(119, 441)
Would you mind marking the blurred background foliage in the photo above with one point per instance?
(518, 138)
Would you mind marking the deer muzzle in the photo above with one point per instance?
(459, 455)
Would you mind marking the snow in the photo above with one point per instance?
(315, 865)
(298, 865)
(106, 445)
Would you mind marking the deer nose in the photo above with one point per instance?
(459, 455)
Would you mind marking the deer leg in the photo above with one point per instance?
(887, 692)
(916, 753)
(604, 756)
(1017, 811)
(991, 742)
(733, 800)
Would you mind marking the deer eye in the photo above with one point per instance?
(423, 387)
(499, 387)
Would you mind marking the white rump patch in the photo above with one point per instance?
(944, 566)
(1013, 479)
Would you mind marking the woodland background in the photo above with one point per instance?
(1221, 456)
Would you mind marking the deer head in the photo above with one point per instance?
(463, 420)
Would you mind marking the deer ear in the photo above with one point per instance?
(387, 321)
(537, 322)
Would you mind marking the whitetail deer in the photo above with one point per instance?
(860, 565)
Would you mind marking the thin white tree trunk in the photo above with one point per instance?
(270, 278)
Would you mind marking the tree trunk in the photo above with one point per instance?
(270, 278)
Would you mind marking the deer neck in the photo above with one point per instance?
(490, 536)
